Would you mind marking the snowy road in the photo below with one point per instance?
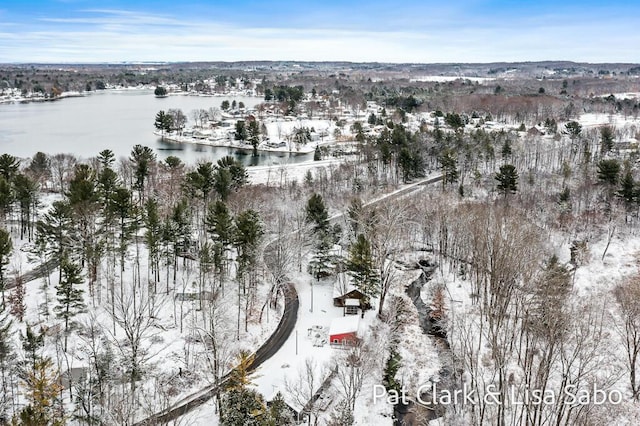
(270, 347)
(42, 270)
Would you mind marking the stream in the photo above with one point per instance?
(404, 414)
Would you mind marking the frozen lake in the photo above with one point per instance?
(115, 120)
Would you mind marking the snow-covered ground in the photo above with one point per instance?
(172, 346)
(277, 130)
(285, 173)
(617, 120)
(174, 351)
(600, 275)
(447, 78)
(308, 342)
(625, 95)
(314, 318)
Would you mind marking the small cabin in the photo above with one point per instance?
(342, 293)
(348, 297)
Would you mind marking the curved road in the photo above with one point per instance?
(39, 271)
(266, 351)
(280, 335)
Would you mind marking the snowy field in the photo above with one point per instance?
(282, 174)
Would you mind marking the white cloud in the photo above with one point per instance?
(120, 35)
(114, 17)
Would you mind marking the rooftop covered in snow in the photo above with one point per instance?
(344, 325)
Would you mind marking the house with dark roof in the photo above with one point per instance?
(347, 296)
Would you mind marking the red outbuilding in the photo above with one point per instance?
(343, 331)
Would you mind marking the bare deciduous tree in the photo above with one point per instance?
(304, 386)
(351, 370)
(627, 295)
(61, 169)
(135, 316)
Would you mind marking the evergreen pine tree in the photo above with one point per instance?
(628, 190)
(122, 209)
(160, 91)
(254, 135)
(240, 405)
(84, 200)
(219, 222)
(26, 194)
(308, 178)
(243, 407)
(322, 259)
(9, 166)
(506, 149)
(40, 167)
(279, 413)
(32, 343)
(223, 183)
(362, 268)
(163, 122)
(389, 380)
(249, 231)
(317, 213)
(55, 232)
(507, 179)
(70, 300)
(240, 376)
(564, 199)
(237, 171)
(410, 163)
(143, 159)
(609, 172)
(549, 294)
(6, 247)
(606, 139)
(5, 336)
(230, 175)
(82, 192)
(180, 228)
(201, 181)
(43, 393)
(573, 129)
(153, 237)
(449, 167)
(107, 181)
(241, 131)
(7, 198)
(355, 214)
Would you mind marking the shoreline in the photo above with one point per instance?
(226, 143)
(24, 100)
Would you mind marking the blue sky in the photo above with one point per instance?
(311, 30)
